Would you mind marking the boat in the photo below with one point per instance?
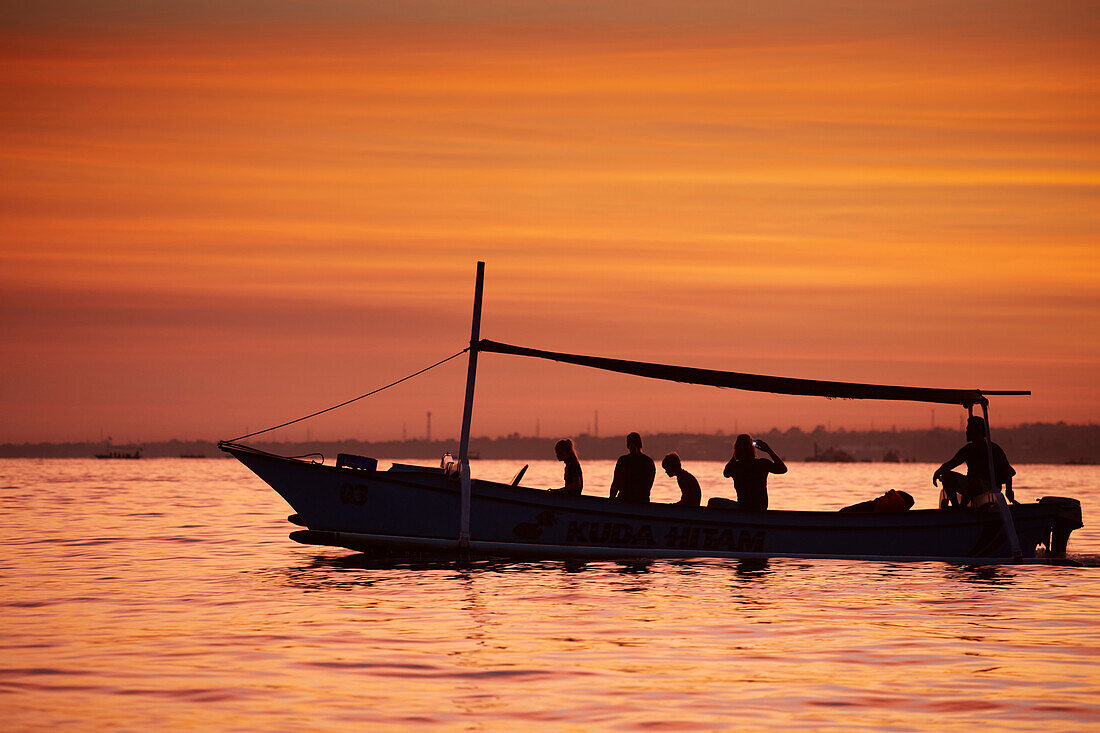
(829, 455)
(119, 455)
(445, 510)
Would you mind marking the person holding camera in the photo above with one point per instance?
(750, 474)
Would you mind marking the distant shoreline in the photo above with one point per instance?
(1050, 443)
(429, 461)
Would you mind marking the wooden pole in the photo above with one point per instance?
(998, 497)
(467, 412)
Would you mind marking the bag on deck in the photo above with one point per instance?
(890, 502)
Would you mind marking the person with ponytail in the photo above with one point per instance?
(574, 480)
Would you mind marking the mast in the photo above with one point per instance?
(995, 486)
(467, 412)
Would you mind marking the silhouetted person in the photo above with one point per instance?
(958, 490)
(574, 481)
(634, 473)
(689, 485)
(750, 474)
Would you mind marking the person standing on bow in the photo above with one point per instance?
(958, 490)
(634, 473)
(750, 474)
(574, 480)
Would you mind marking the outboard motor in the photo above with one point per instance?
(1067, 520)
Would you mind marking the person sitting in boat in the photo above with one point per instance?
(891, 501)
(689, 485)
(567, 454)
(750, 474)
(634, 473)
(959, 490)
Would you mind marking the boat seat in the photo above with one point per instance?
(359, 463)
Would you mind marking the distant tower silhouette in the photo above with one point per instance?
(536, 427)
(404, 432)
(429, 426)
(596, 426)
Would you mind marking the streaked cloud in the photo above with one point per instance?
(906, 191)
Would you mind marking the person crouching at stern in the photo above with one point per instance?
(959, 490)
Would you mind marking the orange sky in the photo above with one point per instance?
(214, 219)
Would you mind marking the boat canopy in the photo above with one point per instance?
(757, 382)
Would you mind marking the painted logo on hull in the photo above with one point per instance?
(680, 537)
(531, 531)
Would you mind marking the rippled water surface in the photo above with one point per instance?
(165, 594)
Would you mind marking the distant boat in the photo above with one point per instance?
(891, 456)
(830, 455)
(444, 509)
(120, 456)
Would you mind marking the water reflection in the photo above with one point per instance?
(286, 635)
(347, 572)
(575, 566)
(756, 567)
(990, 575)
(633, 567)
(421, 561)
(343, 571)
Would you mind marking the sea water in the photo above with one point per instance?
(164, 594)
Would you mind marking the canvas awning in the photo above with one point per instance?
(756, 382)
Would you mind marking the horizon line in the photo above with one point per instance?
(587, 435)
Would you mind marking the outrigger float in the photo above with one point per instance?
(445, 510)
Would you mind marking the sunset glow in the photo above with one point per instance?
(215, 220)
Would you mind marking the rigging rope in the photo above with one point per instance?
(356, 399)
